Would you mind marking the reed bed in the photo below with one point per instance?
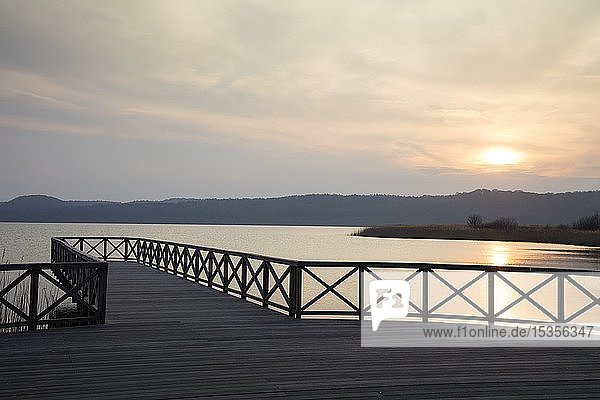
(537, 234)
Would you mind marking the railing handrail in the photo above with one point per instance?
(421, 266)
(203, 248)
(53, 265)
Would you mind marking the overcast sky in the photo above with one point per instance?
(149, 100)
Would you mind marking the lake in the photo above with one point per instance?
(30, 242)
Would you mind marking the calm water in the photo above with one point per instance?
(31, 243)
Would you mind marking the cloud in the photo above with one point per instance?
(414, 85)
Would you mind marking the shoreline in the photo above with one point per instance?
(529, 234)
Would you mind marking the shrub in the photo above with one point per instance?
(474, 221)
(503, 223)
(588, 223)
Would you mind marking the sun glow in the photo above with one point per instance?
(499, 255)
(501, 156)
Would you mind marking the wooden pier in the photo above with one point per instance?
(167, 337)
(172, 320)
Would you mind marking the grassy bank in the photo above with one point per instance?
(537, 234)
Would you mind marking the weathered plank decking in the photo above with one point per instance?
(166, 337)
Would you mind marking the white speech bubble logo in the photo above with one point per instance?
(389, 300)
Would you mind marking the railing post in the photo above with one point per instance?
(560, 297)
(164, 253)
(293, 289)
(126, 258)
(211, 256)
(244, 288)
(148, 253)
(138, 250)
(425, 295)
(33, 299)
(101, 297)
(491, 303)
(361, 292)
(186, 262)
(176, 259)
(225, 265)
(53, 250)
(189, 261)
(298, 313)
(158, 256)
(196, 268)
(265, 283)
(104, 242)
(154, 255)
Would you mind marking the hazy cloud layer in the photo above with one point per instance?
(125, 100)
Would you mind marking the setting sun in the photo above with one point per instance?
(501, 156)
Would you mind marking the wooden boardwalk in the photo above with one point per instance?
(166, 337)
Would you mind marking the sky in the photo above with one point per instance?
(124, 100)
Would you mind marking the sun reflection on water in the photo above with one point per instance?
(499, 255)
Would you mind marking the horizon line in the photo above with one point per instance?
(294, 195)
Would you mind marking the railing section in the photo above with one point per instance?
(36, 296)
(440, 292)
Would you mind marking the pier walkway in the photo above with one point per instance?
(167, 337)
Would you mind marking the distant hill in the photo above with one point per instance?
(314, 209)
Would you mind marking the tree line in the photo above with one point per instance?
(584, 223)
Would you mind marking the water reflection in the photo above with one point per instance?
(499, 255)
